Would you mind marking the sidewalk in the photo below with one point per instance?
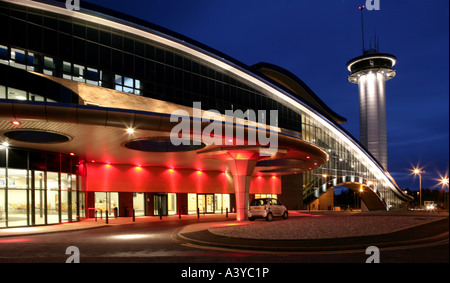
(100, 223)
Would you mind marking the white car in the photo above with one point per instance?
(267, 208)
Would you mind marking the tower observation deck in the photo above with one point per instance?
(370, 71)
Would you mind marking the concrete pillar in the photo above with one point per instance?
(242, 171)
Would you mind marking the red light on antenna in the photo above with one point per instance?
(72, 154)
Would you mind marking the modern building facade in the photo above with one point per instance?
(86, 114)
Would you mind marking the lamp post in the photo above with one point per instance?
(418, 171)
(444, 182)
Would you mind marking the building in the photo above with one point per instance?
(371, 71)
(86, 113)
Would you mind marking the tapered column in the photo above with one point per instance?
(241, 161)
(242, 170)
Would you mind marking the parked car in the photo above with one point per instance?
(267, 208)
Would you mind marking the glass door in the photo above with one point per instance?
(160, 205)
(205, 203)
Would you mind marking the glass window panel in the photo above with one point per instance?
(67, 67)
(128, 90)
(192, 203)
(52, 181)
(139, 204)
(39, 198)
(52, 207)
(48, 63)
(17, 208)
(78, 73)
(74, 205)
(2, 92)
(17, 179)
(172, 203)
(4, 53)
(128, 82)
(118, 79)
(2, 208)
(65, 207)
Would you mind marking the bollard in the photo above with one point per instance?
(179, 213)
(227, 212)
(160, 213)
(134, 217)
(221, 210)
(198, 212)
(106, 216)
(95, 215)
(101, 214)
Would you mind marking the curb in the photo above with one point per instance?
(319, 245)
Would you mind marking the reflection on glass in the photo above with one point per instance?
(139, 204)
(192, 203)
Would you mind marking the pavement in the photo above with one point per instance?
(433, 231)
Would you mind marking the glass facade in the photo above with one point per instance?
(344, 165)
(38, 188)
(87, 52)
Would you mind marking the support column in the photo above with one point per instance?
(241, 162)
(241, 170)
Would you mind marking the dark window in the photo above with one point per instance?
(65, 27)
(53, 162)
(92, 34)
(139, 48)
(79, 30)
(128, 45)
(105, 38)
(92, 54)
(65, 46)
(35, 38)
(17, 158)
(79, 51)
(18, 32)
(50, 41)
(105, 58)
(117, 61)
(117, 41)
(37, 160)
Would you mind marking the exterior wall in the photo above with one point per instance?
(324, 202)
(126, 178)
(292, 193)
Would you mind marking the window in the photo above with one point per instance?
(18, 58)
(92, 76)
(78, 73)
(49, 66)
(16, 94)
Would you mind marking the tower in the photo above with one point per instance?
(370, 71)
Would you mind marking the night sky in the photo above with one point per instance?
(315, 39)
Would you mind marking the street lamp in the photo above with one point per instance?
(418, 171)
(444, 182)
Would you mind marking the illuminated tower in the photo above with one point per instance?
(370, 71)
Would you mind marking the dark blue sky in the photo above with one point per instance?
(315, 39)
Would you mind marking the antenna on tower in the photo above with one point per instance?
(361, 8)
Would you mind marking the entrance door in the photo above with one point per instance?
(160, 205)
(206, 203)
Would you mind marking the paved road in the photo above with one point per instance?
(155, 242)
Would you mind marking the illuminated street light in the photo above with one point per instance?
(418, 171)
